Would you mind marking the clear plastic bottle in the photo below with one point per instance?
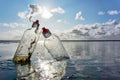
(40, 51)
(54, 45)
(49, 57)
(27, 44)
(25, 72)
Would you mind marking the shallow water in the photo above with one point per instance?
(89, 61)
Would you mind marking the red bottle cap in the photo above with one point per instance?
(44, 30)
(36, 22)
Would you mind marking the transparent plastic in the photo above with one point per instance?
(25, 72)
(50, 69)
(48, 59)
(40, 51)
(26, 46)
(55, 47)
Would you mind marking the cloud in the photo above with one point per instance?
(36, 10)
(11, 35)
(100, 32)
(82, 32)
(59, 20)
(13, 25)
(79, 16)
(110, 12)
(58, 10)
(13, 30)
(107, 30)
(101, 13)
(113, 12)
(62, 21)
(110, 22)
(41, 11)
(22, 15)
(46, 14)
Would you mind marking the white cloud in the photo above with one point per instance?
(35, 9)
(66, 22)
(101, 13)
(46, 14)
(59, 20)
(113, 12)
(111, 22)
(11, 35)
(22, 15)
(107, 30)
(13, 25)
(117, 26)
(79, 16)
(58, 10)
(42, 11)
(110, 12)
(62, 21)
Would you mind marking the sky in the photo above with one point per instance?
(59, 16)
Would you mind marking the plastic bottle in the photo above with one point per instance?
(54, 45)
(25, 72)
(40, 51)
(49, 57)
(27, 44)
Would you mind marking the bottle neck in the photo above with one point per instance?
(35, 29)
(35, 26)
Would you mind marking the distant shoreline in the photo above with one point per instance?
(16, 41)
(90, 40)
(9, 41)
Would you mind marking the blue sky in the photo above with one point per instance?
(63, 14)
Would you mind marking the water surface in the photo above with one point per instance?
(90, 60)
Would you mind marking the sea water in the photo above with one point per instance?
(89, 60)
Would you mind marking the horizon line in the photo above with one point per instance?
(15, 41)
